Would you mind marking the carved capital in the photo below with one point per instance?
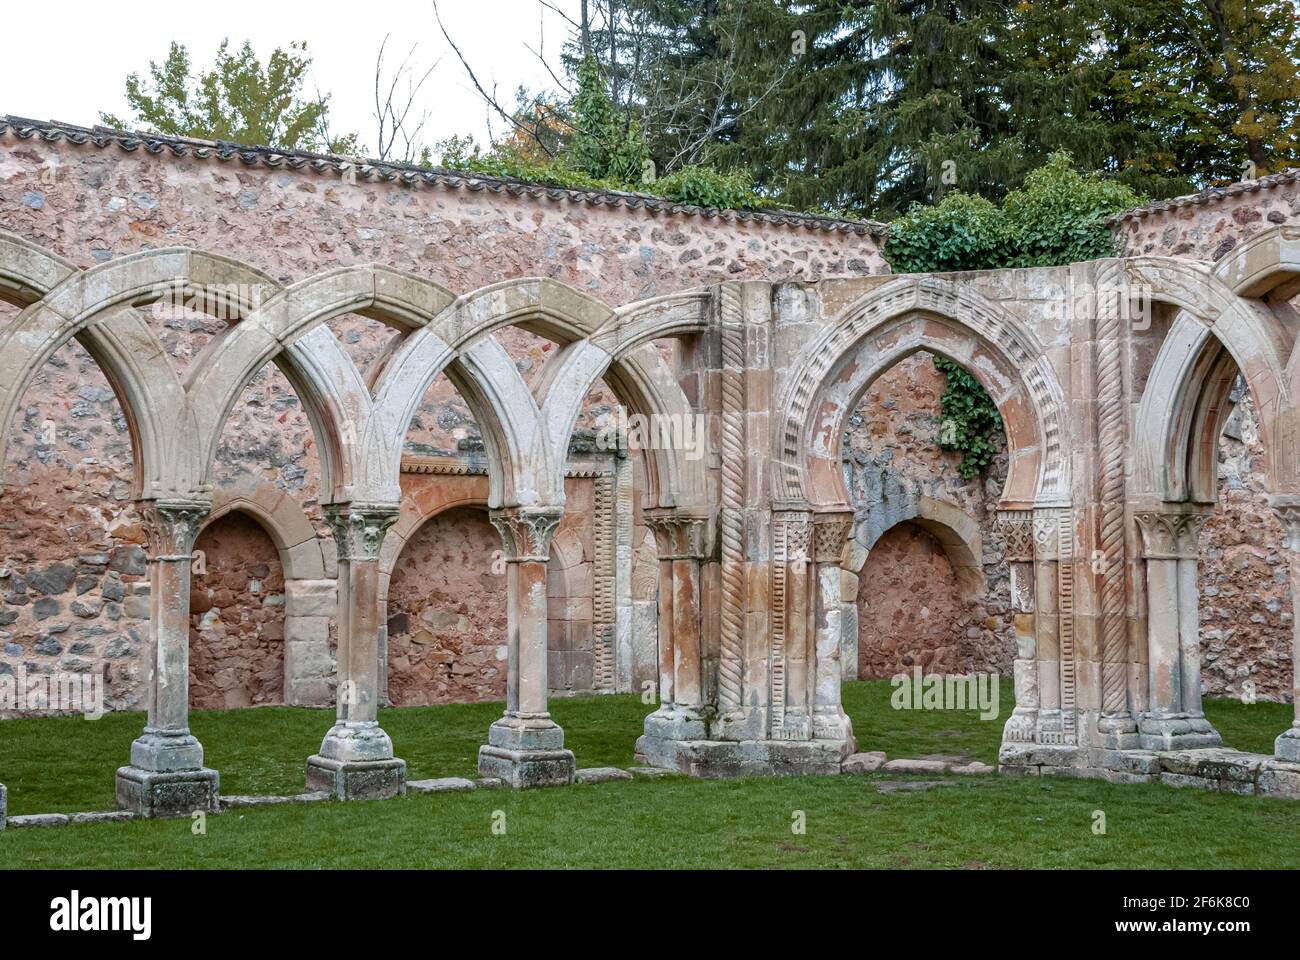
(1170, 534)
(172, 526)
(680, 536)
(359, 528)
(1015, 528)
(526, 532)
(831, 534)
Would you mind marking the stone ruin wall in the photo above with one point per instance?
(73, 590)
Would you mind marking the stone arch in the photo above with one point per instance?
(303, 554)
(624, 354)
(957, 532)
(1214, 334)
(94, 307)
(899, 318)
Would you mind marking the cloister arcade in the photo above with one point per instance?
(1111, 426)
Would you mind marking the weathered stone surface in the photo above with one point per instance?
(863, 762)
(4, 805)
(601, 775)
(103, 816)
(38, 820)
(356, 780)
(150, 794)
(440, 785)
(237, 800)
(974, 767)
(916, 766)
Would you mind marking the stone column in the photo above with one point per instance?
(1015, 529)
(356, 757)
(166, 776)
(1174, 719)
(1287, 745)
(1047, 626)
(525, 747)
(682, 539)
(830, 536)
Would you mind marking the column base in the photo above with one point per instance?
(676, 723)
(1020, 726)
(1177, 733)
(525, 751)
(1287, 745)
(357, 779)
(167, 793)
(1118, 733)
(166, 751)
(715, 759)
(525, 769)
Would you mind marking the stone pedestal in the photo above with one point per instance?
(166, 776)
(356, 759)
(526, 753)
(716, 759)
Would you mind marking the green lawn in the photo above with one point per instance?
(67, 765)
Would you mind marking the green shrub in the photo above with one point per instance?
(1059, 215)
(963, 232)
(706, 187)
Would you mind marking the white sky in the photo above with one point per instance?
(75, 68)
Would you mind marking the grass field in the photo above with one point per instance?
(67, 764)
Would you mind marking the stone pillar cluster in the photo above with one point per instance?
(1174, 719)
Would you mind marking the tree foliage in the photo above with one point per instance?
(239, 99)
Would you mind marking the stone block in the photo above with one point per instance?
(310, 598)
(440, 785)
(4, 805)
(863, 762)
(916, 766)
(179, 793)
(356, 779)
(740, 758)
(267, 801)
(1279, 779)
(601, 775)
(104, 816)
(38, 820)
(974, 767)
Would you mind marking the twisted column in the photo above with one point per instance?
(731, 519)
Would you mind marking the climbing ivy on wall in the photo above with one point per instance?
(970, 419)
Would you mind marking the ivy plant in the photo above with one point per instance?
(971, 421)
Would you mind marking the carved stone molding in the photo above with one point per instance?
(359, 528)
(1047, 535)
(792, 532)
(526, 532)
(1015, 528)
(1170, 535)
(680, 536)
(172, 526)
(831, 534)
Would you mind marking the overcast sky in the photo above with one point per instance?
(69, 61)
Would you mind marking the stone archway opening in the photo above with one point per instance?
(930, 599)
(237, 616)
